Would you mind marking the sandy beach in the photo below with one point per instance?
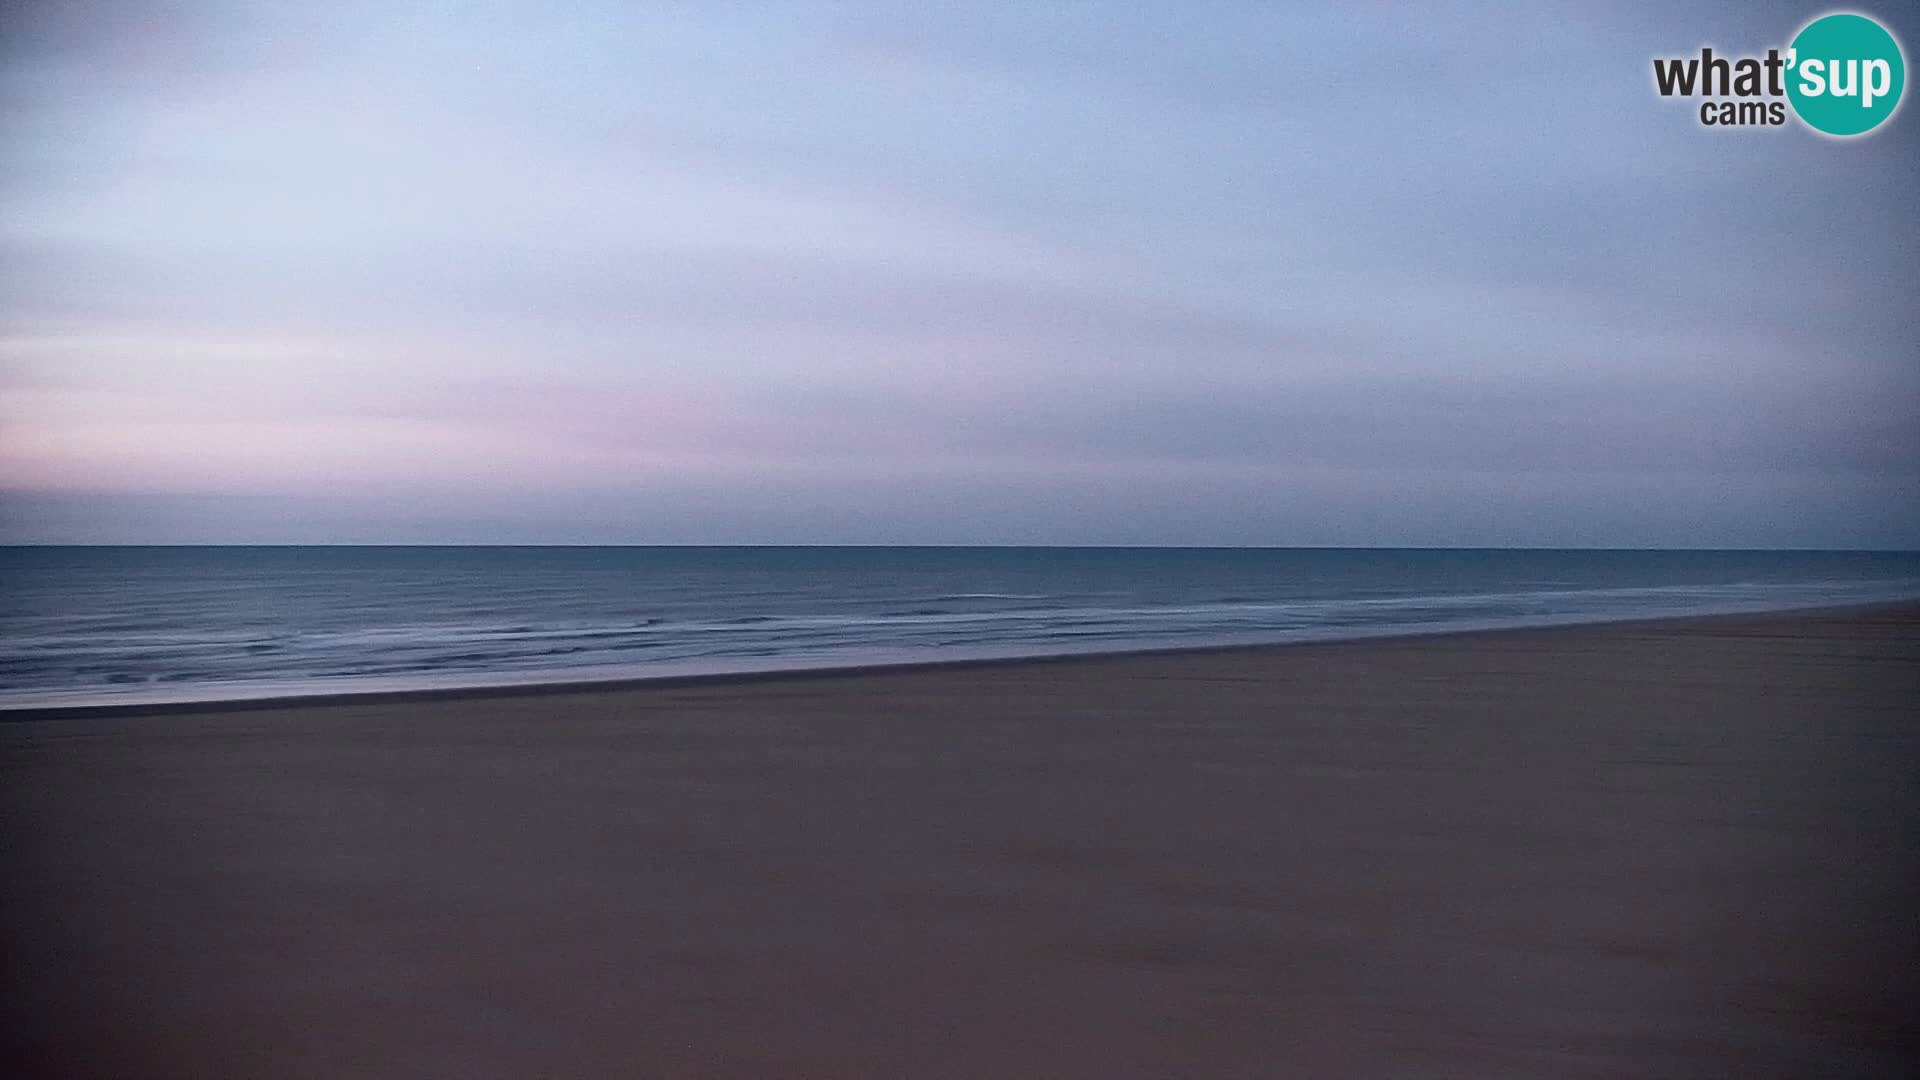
(1642, 850)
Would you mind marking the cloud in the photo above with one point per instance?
(793, 271)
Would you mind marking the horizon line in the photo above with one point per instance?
(972, 546)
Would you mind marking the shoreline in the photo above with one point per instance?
(535, 686)
(1660, 848)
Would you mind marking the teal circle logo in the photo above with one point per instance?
(1845, 74)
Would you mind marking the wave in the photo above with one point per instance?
(113, 658)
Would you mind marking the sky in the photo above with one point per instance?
(1199, 273)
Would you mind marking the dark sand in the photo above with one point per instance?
(1651, 850)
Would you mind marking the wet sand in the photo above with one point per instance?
(1645, 850)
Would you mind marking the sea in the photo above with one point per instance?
(103, 625)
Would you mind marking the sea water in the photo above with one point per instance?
(114, 624)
